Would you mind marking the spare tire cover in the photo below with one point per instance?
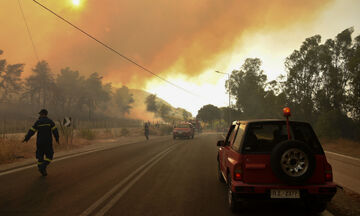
(292, 162)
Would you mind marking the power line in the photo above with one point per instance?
(28, 31)
(115, 51)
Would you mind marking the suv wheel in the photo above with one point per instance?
(219, 174)
(233, 204)
(293, 162)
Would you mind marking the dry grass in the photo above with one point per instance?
(117, 132)
(342, 146)
(12, 149)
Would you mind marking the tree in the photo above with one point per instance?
(234, 114)
(354, 68)
(274, 99)
(70, 86)
(95, 93)
(209, 113)
(150, 102)
(10, 79)
(334, 57)
(303, 80)
(186, 115)
(164, 111)
(123, 99)
(247, 85)
(40, 85)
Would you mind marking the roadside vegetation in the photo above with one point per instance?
(12, 149)
(97, 109)
(164, 111)
(65, 94)
(321, 86)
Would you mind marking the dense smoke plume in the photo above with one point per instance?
(164, 36)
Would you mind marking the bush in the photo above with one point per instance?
(334, 125)
(124, 132)
(165, 130)
(108, 131)
(87, 134)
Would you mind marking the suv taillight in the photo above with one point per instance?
(328, 172)
(238, 174)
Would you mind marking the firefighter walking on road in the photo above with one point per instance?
(45, 128)
(146, 128)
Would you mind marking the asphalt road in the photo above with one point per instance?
(346, 170)
(155, 177)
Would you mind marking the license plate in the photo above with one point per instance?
(285, 194)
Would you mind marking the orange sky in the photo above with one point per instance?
(156, 34)
(183, 38)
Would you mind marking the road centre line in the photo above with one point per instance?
(118, 196)
(142, 169)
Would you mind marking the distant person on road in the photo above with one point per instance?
(45, 128)
(146, 131)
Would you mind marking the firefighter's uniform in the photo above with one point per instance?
(44, 127)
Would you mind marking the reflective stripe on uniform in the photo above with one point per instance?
(53, 128)
(39, 163)
(44, 125)
(47, 159)
(33, 129)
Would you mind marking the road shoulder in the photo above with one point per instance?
(95, 145)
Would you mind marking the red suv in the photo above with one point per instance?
(183, 130)
(275, 159)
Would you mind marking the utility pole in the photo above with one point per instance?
(229, 113)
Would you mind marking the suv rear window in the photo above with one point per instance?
(262, 137)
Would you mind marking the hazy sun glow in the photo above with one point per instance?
(76, 2)
(210, 92)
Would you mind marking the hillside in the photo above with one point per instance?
(139, 108)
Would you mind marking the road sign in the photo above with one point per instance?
(67, 121)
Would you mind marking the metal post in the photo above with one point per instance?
(229, 100)
(288, 127)
(229, 114)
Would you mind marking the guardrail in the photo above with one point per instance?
(346, 170)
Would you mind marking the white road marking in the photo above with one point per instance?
(62, 158)
(17, 169)
(142, 169)
(344, 156)
(116, 198)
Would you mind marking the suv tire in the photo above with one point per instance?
(232, 202)
(219, 174)
(293, 162)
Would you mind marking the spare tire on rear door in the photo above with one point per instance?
(292, 162)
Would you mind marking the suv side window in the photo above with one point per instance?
(239, 137)
(233, 135)
(230, 134)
